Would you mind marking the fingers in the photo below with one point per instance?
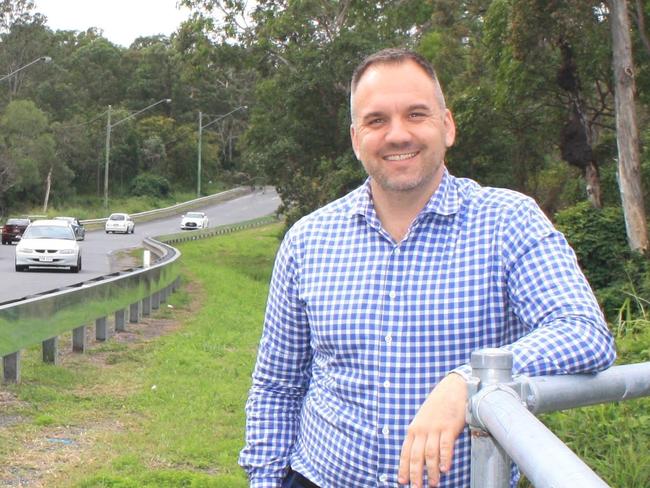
(432, 457)
(446, 451)
(419, 451)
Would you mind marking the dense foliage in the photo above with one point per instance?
(529, 82)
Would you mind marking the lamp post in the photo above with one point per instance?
(110, 126)
(45, 59)
(201, 127)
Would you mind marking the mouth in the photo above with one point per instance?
(400, 157)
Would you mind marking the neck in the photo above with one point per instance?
(397, 209)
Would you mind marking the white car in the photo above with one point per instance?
(194, 220)
(48, 243)
(120, 222)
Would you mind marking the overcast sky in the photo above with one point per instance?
(120, 20)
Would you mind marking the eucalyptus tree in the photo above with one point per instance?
(304, 54)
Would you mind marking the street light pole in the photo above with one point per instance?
(45, 59)
(198, 164)
(201, 127)
(109, 126)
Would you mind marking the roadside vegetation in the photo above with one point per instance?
(163, 404)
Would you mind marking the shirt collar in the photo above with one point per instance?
(444, 201)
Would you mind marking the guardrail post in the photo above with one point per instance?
(120, 320)
(11, 367)
(51, 350)
(490, 465)
(163, 295)
(101, 329)
(146, 306)
(155, 300)
(135, 309)
(79, 339)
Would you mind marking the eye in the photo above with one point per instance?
(376, 121)
(417, 115)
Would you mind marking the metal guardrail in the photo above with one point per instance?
(504, 428)
(128, 294)
(175, 209)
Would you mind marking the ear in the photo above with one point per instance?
(450, 129)
(355, 142)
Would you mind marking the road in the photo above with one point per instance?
(98, 246)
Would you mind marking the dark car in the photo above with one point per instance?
(13, 230)
(79, 229)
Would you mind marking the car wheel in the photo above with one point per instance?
(77, 268)
(107, 232)
(133, 230)
(20, 267)
(4, 242)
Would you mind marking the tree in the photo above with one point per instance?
(626, 129)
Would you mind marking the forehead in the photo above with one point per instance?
(393, 82)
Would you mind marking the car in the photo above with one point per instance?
(194, 220)
(79, 229)
(13, 229)
(48, 243)
(120, 222)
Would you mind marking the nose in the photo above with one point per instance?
(398, 132)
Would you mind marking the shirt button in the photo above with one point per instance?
(397, 251)
(392, 294)
(386, 384)
(388, 339)
(383, 478)
(385, 431)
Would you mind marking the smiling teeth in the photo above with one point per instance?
(400, 157)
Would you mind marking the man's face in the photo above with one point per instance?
(399, 130)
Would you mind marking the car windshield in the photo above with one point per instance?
(17, 222)
(117, 217)
(67, 219)
(49, 232)
(194, 215)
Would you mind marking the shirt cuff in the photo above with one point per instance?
(265, 483)
(465, 371)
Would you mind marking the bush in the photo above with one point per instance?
(615, 272)
(149, 185)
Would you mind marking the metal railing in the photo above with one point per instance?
(504, 428)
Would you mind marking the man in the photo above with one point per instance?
(378, 299)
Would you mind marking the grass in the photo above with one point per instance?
(92, 206)
(168, 410)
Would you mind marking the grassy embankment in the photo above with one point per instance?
(168, 412)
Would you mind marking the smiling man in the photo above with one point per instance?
(378, 299)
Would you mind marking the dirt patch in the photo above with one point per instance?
(44, 454)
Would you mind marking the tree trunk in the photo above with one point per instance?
(627, 135)
(48, 185)
(592, 178)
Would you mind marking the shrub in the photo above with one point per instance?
(599, 239)
(151, 186)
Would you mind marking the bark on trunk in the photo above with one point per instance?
(48, 184)
(592, 178)
(627, 135)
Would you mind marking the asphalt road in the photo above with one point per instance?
(98, 246)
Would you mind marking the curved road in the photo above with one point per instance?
(98, 245)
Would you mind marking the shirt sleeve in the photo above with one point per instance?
(280, 378)
(550, 295)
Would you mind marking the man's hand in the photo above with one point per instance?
(431, 435)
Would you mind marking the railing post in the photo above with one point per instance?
(490, 465)
(146, 306)
(155, 300)
(135, 309)
(79, 339)
(101, 329)
(11, 367)
(120, 320)
(51, 350)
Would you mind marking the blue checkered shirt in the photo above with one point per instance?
(359, 329)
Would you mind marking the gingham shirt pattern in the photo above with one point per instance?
(359, 328)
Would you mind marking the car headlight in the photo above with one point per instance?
(67, 251)
(24, 250)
